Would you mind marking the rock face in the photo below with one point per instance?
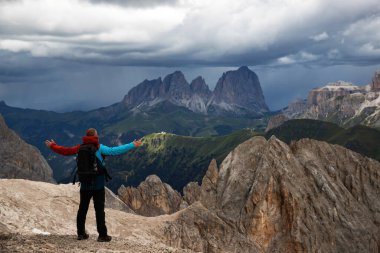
(237, 92)
(332, 90)
(151, 198)
(299, 198)
(191, 192)
(19, 159)
(376, 81)
(113, 202)
(342, 103)
(199, 87)
(266, 196)
(271, 197)
(276, 121)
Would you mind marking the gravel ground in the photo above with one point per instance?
(68, 243)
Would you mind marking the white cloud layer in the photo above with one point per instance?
(320, 37)
(206, 32)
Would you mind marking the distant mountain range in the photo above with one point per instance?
(342, 103)
(169, 104)
(172, 105)
(236, 93)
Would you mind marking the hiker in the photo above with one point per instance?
(92, 186)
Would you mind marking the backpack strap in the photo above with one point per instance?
(75, 178)
(107, 175)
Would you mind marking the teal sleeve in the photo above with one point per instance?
(104, 150)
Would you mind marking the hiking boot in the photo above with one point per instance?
(83, 236)
(106, 238)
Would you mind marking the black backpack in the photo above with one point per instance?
(88, 165)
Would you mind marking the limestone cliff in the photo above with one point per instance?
(341, 103)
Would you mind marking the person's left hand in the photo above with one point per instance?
(137, 143)
(49, 143)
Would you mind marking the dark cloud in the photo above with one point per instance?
(194, 32)
(51, 56)
(62, 85)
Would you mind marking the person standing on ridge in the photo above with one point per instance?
(92, 186)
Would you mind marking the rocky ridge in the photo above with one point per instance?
(303, 197)
(237, 92)
(19, 159)
(151, 198)
(342, 103)
(265, 196)
(276, 121)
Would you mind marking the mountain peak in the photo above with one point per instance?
(376, 81)
(176, 86)
(240, 89)
(280, 175)
(176, 75)
(145, 91)
(244, 68)
(237, 92)
(198, 85)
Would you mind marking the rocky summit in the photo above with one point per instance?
(307, 197)
(19, 159)
(342, 103)
(236, 93)
(151, 198)
(266, 196)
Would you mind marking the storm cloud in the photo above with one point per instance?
(71, 41)
(168, 33)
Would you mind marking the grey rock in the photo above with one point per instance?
(21, 160)
(288, 198)
(276, 121)
(375, 86)
(199, 86)
(238, 92)
(268, 196)
(144, 92)
(209, 186)
(201, 230)
(341, 103)
(151, 198)
(191, 192)
(114, 202)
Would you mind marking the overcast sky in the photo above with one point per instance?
(82, 54)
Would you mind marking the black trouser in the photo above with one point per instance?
(98, 198)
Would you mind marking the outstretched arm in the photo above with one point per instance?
(104, 150)
(62, 150)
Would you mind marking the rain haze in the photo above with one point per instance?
(83, 54)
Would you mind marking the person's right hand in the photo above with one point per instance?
(137, 143)
(49, 143)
